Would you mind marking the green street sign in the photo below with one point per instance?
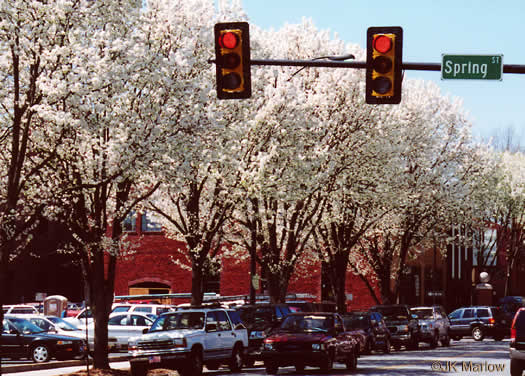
(472, 67)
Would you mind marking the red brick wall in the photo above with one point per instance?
(152, 263)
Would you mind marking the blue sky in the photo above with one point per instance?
(431, 28)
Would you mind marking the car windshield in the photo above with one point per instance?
(181, 320)
(64, 325)
(393, 313)
(25, 326)
(422, 313)
(356, 322)
(307, 323)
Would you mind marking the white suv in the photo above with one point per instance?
(186, 340)
(20, 309)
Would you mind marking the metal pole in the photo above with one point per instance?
(436, 67)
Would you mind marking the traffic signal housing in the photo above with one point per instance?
(384, 62)
(232, 60)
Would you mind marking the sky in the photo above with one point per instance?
(431, 28)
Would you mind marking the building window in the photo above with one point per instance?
(130, 223)
(149, 224)
(485, 248)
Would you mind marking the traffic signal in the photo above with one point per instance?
(384, 62)
(232, 60)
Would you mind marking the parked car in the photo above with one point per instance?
(187, 339)
(373, 327)
(20, 309)
(121, 326)
(517, 344)
(260, 320)
(310, 339)
(22, 339)
(402, 325)
(56, 325)
(80, 319)
(509, 306)
(152, 309)
(478, 322)
(434, 325)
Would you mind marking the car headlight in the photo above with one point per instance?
(64, 342)
(402, 328)
(268, 346)
(256, 335)
(179, 342)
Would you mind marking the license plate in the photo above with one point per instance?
(154, 359)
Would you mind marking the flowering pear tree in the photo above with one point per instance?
(432, 167)
(290, 160)
(33, 48)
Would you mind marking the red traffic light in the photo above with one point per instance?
(229, 40)
(382, 43)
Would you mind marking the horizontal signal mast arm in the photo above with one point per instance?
(507, 68)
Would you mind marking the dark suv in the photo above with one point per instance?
(377, 335)
(403, 326)
(260, 319)
(434, 325)
(478, 322)
(517, 344)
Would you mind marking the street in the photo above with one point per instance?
(465, 357)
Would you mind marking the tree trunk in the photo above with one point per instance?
(339, 280)
(197, 284)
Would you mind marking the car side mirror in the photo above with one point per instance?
(145, 330)
(211, 327)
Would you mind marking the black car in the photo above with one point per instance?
(517, 344)
(402, 324)
(316, 339)
(22, 339)
(478, 322)
(260, 319)
(377, 335)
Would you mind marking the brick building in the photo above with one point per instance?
(151, 269)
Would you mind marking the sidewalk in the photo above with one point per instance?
(17, 368)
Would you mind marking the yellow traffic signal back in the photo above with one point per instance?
(232, 60)
(384, 62)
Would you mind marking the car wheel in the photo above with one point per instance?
(434, 341)
(397, 347)
(328, 363)
(413, 343)
(368, 347)
(386, 349)
(445, 341)
(351, 361)
(236, 359)
(213, 366)
(249, 362)
(271, 368)
(516, 367)
(40, 353)
(498, 338)
(138, 370)
(457, 338)
(194, 366)
(477, 333)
